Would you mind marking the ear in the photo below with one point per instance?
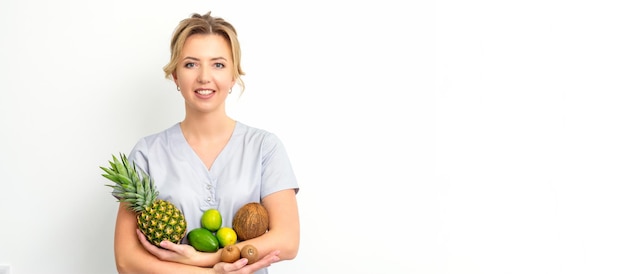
(175, 78)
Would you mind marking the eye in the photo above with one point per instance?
(190, 65)
(219, 65)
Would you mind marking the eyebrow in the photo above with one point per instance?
(198, 59)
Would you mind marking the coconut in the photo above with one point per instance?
(250, 221)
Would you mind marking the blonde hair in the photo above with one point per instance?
(204, 24)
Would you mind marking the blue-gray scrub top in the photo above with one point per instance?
(252, 165)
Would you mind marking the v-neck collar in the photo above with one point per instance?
(222, 157)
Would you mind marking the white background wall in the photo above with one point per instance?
(427, 137)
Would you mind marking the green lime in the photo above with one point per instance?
(203, 240)
(211, 220)
(226, 236)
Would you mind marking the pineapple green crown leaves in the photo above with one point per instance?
(138, 191)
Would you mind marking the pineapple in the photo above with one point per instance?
(158, 219)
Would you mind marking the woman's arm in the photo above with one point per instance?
(132, 257)
(284, 227)
(282, 238)
(133, 253)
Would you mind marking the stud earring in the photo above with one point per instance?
(178, 88)
(231, 91)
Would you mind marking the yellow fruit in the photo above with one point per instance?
(226, 236)
(203, 240)
(211, 220)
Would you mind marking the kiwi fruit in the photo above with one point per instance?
(230, 254)
(249, 252)
(250, 221)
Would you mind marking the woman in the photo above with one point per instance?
(208, 160)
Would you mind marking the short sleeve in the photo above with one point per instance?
(277, 172)
(137, 156)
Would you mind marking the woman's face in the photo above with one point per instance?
(205, 72)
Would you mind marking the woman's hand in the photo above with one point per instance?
(180, 253)
(240, 267)
(186, 254)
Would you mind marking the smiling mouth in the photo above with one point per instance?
(205, 91)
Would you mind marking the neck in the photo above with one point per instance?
(207, 127)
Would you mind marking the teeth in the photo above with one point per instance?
(205, 92)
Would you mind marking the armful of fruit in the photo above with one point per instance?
(161, 237)
(213, 243)
(247, 258)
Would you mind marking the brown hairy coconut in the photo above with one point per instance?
(251, 221)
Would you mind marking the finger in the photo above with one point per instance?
(140, 235)
(169, 245)
(142, 238)
(266, 261)
(158, 252)
(239, 264)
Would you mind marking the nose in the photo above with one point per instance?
(205, 75)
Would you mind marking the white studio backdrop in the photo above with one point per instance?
(427, 137)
